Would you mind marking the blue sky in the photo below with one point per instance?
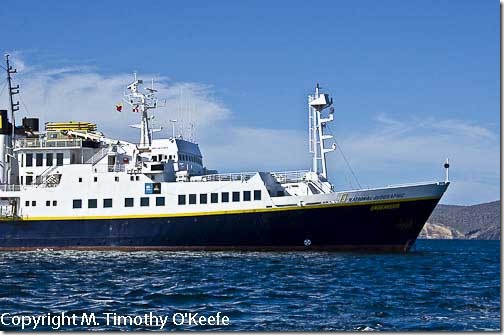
(413, 81)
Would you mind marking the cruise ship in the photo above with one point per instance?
(69, 186)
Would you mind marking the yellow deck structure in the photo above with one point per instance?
(71, 125)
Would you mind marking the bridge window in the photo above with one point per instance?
(257, 195)
(107, 203)
(128, 202)
(39, 159)
(29, 180)
(181, 199)
(80, 179)
(54, 203)
(95, 179)
(160, 201)
(246, 195)
(225, 196)
(92, 203)
(192, 199)
(236, 196)
(49, 159)
(48, 203)
(116, 178)
(203, 198)
(144, 202)
(59, 159)
(77, 203)
(29, 160)
(27, 203)
(214, 198)
(34, 203)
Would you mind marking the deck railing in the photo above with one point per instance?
(290, 176)
(282, 177)
(42, 143)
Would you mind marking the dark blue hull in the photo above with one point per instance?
(393, 226)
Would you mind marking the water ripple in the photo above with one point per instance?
(442, 285)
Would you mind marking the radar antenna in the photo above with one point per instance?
(141, 103)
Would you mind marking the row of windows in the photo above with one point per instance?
(39, 159)
(183, 157)
(128, 202)
(160, 201)
(214, 197)
(116, 178)
(34, 203)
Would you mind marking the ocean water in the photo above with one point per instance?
(440, 285)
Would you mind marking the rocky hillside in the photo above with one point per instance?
(464, 222)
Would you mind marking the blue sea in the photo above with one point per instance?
(440, 285)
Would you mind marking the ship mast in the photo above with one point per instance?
(317, 123)
(14, 106)
(141, 103)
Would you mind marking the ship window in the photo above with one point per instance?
(54, 203)
(80, 179)
(48, 203)
(160, 201)
(49, 159)
(95, 179)
(27, 203)
(72, 159)
(170, 156)
(29, 160)
(203, 198)
(21, 180)
(280, 193)
(128, 202)
(34, 203)
(107, 203)
(246, 195)
(181, 199)
(214, 198)
(21, 160)
(144, 202)
(39, 159)
(236, 196)
(132, 178)
(165, 157)
(116, 178)
(192, 199)
(154, 158)
(160, 157)
(77, 203)
(225, 196)
(59, 159)
(137, 177)
(257, 195)
(29, 180)
(92, 203)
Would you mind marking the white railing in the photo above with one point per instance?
(10, 188)
(290, 176)
(281, 177)
(239, 176)
(38, 143)
(98, 156)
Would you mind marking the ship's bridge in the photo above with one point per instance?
(185, 155)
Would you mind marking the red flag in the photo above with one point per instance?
(119, 107)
